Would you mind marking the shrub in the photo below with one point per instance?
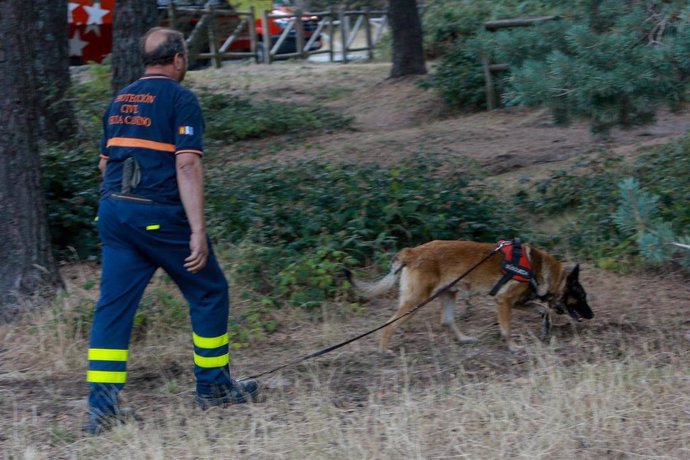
(611, 63)
(297, 223)
(70, 179)
(231, 118)
(454, 31)
(589, 206)
(70, 176)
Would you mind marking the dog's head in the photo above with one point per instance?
(574, 298)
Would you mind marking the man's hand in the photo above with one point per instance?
(101, 165)
(198, 245)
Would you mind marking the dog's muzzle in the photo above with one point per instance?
(561, 307)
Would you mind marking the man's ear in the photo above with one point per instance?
(179, 61)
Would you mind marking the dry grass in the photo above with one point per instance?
(353, 404)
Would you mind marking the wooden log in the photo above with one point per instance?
(499, 67)
(517, 22)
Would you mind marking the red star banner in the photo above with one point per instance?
(90, 30)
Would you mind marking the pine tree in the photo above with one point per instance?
(610, 62)
(638, 216)
(618, 62)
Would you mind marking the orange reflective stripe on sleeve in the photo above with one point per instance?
(140, 143)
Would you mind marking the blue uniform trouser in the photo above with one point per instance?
(137, 239)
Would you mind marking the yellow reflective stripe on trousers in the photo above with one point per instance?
(210, 342)
(106, 377)
(107, 354)
(213, 361)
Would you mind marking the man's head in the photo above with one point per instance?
(165, 51)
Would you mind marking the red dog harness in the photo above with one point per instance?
(516, 265)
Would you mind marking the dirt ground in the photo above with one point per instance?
(396, 119)
(642, 311)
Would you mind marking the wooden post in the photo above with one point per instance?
(367, 29)
(253, 39)
(171, 14)
(331, 33)
(267, 38)
(212, 45)
(299, 30)
(491, 99)
(343, 34)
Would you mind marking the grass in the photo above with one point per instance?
(611, 409)
(578, 397)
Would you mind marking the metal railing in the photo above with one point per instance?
(302, 34)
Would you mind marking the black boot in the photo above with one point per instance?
(238, 392)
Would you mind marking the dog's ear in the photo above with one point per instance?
(574, 274)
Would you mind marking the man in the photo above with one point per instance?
(151, 215)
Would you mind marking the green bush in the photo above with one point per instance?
(454, 31)
(231, 118)
(612, 63)
(588, 205)
(296, 223)
(70, 175)
(70, 179)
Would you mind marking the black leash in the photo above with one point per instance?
(342, 344)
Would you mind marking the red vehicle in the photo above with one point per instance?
(91, 30)
(276, 27)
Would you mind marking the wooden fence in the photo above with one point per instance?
(489, 68)
(212, 32)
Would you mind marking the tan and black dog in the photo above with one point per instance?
(424, 269)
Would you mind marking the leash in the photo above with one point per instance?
(425, 302)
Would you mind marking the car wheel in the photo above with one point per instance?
(260, 53)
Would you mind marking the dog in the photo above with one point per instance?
(423, 270)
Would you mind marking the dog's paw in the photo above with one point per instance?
(386, 353)
(467, 339)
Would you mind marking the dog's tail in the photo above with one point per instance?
(385, 284)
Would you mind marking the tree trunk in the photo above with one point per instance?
(28, 266)
(51, 65)
(132, 19)
(406, 27)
